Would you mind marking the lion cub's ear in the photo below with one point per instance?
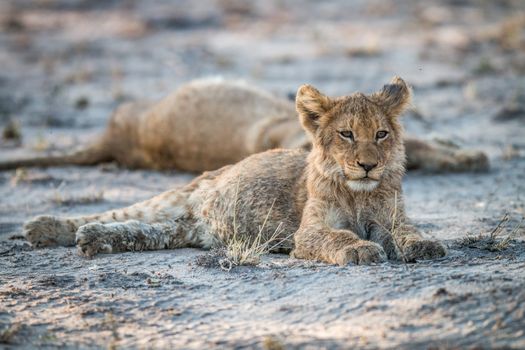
(312, 107)
(394, 98)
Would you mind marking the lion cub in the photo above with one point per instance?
(342, 201)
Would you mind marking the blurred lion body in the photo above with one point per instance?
(207, 124)
(202, 126)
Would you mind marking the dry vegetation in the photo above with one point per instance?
(243, 250)
(272, 343)
(496, 240)
(240, 249)
(60, 198)
(12, 134)
(8, 333)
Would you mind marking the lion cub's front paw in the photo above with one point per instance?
(90, 239)
(362, 253)
(48, 231)
(423, 249)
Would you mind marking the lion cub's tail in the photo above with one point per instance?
(90, 155)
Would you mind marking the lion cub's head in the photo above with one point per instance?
(358, 138)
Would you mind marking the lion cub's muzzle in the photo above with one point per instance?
(364, 172)
(359, 178)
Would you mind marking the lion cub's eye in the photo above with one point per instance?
(381, 134)
(347, 134)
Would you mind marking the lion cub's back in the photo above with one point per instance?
(264, 192)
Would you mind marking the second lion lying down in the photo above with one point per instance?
(342, 201)
(206, 124)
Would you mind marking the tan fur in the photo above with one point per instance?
(211, 123)
(336, 206)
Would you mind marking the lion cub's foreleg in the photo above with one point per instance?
(414, 247)
(316, 240)
(335, 247)
(131, 235)
(406, 243)
(166, 208)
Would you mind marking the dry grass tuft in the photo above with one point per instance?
(510, 152)
(242, 249)
(24, 176)
(21, 175)
(12, 132)
(485, 66)
(493, 242)
(111, 324)
(272, 343)
(7, 335)
(41, 144)
(67, 200)
(396, 224)
(371, 50)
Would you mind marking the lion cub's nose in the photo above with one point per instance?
(366, 166)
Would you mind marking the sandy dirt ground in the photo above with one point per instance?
(64, 65)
